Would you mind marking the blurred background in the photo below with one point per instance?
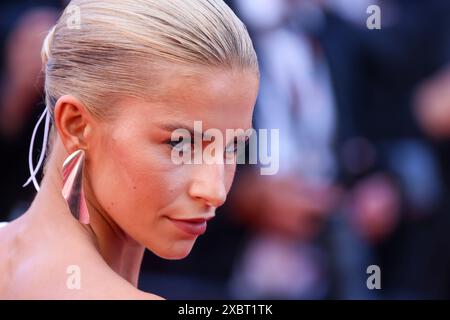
(364, 119)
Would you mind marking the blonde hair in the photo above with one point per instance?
(121, 47)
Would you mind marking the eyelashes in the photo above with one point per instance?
(180, 145)
(183, 145)
(233, 148)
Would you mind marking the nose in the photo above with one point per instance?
(208, 184)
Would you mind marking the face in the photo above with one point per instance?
(158, 203)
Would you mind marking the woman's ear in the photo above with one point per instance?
(73, 122)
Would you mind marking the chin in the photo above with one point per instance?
(176, 251)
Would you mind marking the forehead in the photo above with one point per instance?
(220, 98)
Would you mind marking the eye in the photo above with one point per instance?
(233, 147)
(181, 145)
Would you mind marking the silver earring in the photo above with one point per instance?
(73, 190)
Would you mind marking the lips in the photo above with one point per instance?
(196, 226)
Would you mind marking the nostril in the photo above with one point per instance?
(219, 198)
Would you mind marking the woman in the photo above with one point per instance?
(117, 85)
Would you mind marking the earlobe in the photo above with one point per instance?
(72, 122)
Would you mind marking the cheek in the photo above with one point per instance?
(134, 179)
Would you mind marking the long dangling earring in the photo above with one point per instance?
(73, 186)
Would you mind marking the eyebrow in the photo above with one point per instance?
(170, 127)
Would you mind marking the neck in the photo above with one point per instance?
(120, 252)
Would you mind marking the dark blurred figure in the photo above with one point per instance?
(392, 62)
(286, 213)
(393, 210)
(22, 31)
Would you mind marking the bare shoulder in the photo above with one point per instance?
(117, 291)
(102, 283)
(59, 270)
(78, 278)
(141, 295)
(114, 287)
